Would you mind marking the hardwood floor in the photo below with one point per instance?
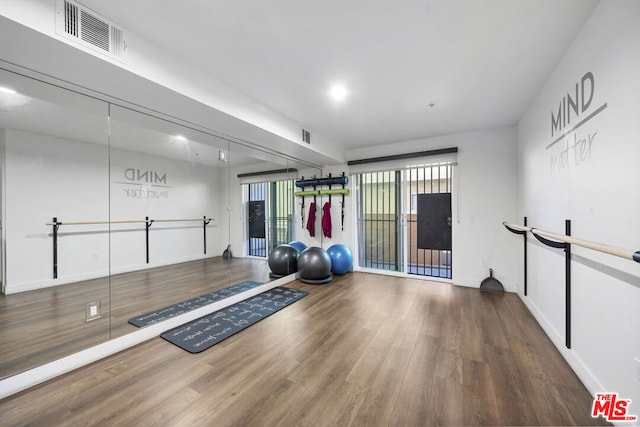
(43, 325)
(364, 350)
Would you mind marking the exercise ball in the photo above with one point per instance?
(283, 260)
(298, 245)
(341, 258)
(314, 266)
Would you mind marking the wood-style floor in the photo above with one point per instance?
(42, 325)
(364, 350)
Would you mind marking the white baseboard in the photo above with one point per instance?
(99, 274)
(573, 359)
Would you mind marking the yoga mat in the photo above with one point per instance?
(186, 306)
(203, 333)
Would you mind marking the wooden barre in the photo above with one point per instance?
(181, 220)
(55, 224)
(600, 247)
(130, 221)
(96, 222)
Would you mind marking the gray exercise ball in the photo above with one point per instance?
(314, 264)
(283, 260)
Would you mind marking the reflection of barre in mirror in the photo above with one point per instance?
(630, 254)
(55, 224)
(128, 221)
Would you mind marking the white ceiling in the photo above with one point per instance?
(480, 61)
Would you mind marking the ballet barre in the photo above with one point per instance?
(564, 242)
(629, 254)
(55, 224)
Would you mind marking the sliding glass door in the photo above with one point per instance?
(404, 220)
(428, 220)
(256, 201)
(270, 216)
(379, 229)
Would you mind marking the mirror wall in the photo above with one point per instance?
(109, 213)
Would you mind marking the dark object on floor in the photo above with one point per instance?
(186, 306)
(226, 254)
(211, 329)
(491, 284)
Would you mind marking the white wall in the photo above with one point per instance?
(590, 177)
(48, 177)
(484, 195)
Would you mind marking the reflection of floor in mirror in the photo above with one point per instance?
(364, 349)
(45, 324)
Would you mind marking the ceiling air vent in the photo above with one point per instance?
(89, 29)
(306, 136)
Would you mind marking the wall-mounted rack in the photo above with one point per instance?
(322, 192)
(55, 224)
(329, 181)
(316, 182)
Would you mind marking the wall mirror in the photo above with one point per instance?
(168, 210)
(55, 167)
(109, 213)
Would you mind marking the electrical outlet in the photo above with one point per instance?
(637, 360)
(92, 311)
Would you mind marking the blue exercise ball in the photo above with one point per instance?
(298, 245)
(283, 260)
(341, 258)
(314, 264)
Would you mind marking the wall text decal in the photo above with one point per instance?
(574, 110)
(144, 184)
(144, 176)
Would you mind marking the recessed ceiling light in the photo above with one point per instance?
(338, 92)
(431, 104)
(7, 90)
(181, 138)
